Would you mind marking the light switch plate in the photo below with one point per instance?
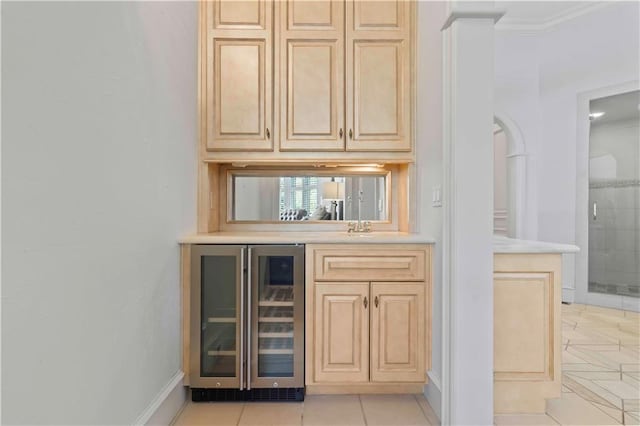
(436, 196)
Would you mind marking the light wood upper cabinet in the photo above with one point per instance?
(342, 332)
(311, 77)
(307, 80)
(378, 76)
(240, 14)
(238, 88)
(392, 15)
(397, 332)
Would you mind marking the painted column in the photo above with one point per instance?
(468, 214)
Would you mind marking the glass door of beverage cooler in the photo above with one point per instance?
(217, 313)
(276, 316)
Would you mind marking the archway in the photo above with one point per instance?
(510, 220)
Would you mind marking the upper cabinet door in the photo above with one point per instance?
(398, 332)
(239, 74)
(311, 75)
(240, 14)
(378, 75)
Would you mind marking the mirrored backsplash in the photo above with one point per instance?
(312, 198)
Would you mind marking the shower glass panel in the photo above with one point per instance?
(614, 195)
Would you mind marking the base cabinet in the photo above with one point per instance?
(366, 336)
(341, 329)
(397, 332)
(527, 331)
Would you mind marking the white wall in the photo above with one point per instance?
(98, 181)
(517, 103)
(539, 77)
(429, 173)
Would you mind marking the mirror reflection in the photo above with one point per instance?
(308, 198)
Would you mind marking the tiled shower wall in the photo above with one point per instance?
(614, 237)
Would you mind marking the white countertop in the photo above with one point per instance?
(500, 244)
(511, 245)
(305, 237)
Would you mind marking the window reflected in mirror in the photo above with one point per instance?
(313, 198)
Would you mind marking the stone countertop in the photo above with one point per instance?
(512, 245)
(306, 238)
(500, 244)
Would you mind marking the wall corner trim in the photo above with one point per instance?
(494, 15)
(433, 393)
(166, 405)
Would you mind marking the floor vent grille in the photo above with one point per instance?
(263, 394)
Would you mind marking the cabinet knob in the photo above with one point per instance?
(365, 302)
(268, 134)
(340, 133)
(375, 301)
(350, 134)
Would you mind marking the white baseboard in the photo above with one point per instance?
(433, 393)
(166, 404)
(568, 294)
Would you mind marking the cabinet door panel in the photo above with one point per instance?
(239, 94)
(523, 325)
(397, 332)
(314, 92)
(378, 75)
(378, 96)
(315, 15)
(341, 332)
(379, 15)
(312, 76)
(239, 14)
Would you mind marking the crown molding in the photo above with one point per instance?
(539, 25)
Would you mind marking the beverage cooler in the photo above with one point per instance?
(247, 322)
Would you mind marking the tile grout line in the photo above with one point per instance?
(244, 404)
(364, 416)
(595, 404)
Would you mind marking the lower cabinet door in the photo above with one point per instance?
(341, 329)
(398, 332)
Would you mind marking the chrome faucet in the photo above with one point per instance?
(360, 226)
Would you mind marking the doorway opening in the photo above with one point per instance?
(509, 179)
(614, 195)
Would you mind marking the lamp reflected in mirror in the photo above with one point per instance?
(334, 192)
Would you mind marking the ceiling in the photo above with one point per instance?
(625, 106)
(538, 15)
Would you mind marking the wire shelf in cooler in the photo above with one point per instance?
(275, 313)
(277, 296)
(275, 330)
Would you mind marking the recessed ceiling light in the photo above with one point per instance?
(595, 115)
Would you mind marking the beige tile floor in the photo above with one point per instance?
(347, 410)
(601, 386)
